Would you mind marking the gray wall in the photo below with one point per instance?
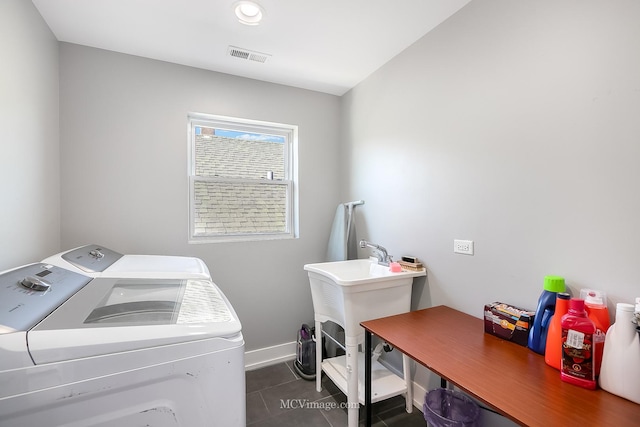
(29, 141)
(516, 125)
(124, 175)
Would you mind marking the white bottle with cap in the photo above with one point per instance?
(620, 371)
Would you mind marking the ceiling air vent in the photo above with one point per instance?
(250, 55)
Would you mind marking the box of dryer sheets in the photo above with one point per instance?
(508, 322)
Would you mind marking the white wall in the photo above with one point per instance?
(29, 141)
(124, 175)
(513, 124)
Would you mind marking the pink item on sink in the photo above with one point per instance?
(394, 267)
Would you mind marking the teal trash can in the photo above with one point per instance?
(450, 408)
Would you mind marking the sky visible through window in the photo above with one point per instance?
(244, 135)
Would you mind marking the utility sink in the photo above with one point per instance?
(359, 271)
(350, 292)
(347, 293)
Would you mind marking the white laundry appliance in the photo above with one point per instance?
(98, 261)
(117, 351)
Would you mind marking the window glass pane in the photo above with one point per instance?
(239, 208)
(238, 154)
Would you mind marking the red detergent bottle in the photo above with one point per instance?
(595, 304)
(578, 351)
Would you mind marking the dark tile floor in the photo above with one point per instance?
(276, 396)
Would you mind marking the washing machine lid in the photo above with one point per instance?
(98, 261)
(158, 266)
(30, 293)
(113, 315)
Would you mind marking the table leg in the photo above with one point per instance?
(406, 371)
(367, 377)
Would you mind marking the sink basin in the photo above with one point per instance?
(350, 292)
(360, 272)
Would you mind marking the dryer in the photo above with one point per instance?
(96, 260)
(117, 351)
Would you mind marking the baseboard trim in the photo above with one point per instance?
(267, 356)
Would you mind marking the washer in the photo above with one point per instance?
(117, 351)
(98, 261)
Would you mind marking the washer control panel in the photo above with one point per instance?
(92, 258)
(30, 293)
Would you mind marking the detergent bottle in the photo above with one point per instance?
(577, 346)
(546, 307)
(595, 304)
(620, 372)
(553, 349)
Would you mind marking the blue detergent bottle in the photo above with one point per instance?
(546, 307)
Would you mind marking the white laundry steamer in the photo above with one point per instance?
(160, 348)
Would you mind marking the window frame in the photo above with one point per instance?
(290, 179)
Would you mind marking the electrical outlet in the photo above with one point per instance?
(463, 247)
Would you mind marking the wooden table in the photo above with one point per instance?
(509, 378)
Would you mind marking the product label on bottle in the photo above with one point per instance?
(577, 354)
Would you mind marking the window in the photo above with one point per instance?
(242, 179)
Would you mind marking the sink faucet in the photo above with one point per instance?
(381, 253)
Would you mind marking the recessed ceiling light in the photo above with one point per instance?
(249, 12)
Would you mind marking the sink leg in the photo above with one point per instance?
(353, 404)
(318, 356)
(406, 370)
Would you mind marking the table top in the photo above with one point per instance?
(509, 378)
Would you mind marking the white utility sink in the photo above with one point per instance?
(359, 271)
(350, 292)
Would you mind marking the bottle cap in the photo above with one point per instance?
(593, 297)
(624, 307)
(563, 295)
(576, 304)
(554, 284)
